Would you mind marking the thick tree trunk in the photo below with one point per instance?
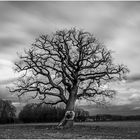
(65, 123)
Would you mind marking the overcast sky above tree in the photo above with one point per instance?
(115, 24)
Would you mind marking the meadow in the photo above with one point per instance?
(85, 130)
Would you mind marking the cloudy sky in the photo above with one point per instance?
(115, 24)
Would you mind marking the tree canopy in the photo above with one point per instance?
(65, 66)
(56, 63)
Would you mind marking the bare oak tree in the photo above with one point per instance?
(66, 66)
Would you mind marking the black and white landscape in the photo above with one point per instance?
(51, 38)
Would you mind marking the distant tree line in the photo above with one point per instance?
(47, 113)
(81, 115)
(34, 113)
(108, 117)
(7, 112)
(40, 113)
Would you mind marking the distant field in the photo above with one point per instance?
(91, 130)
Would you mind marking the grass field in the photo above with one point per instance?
(105, 130)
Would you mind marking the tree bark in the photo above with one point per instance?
(70, 106)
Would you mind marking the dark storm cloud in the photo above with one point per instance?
(5, 15)
(133, 78)
(9, 42)
(101, 18)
